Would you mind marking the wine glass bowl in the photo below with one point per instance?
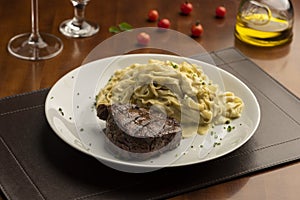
(78, 26)
(35, 45)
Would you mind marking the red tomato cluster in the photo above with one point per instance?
(185, 9)
(153, 16)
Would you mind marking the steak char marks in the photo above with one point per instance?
(137, 133)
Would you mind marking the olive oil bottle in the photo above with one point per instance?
(262, 24)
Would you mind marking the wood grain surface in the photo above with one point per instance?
(282, 63)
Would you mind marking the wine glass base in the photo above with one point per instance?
(86, 29)
(47, 46)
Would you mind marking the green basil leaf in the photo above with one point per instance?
(125, 26)
(114, 29)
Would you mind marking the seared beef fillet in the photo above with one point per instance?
(138, 133)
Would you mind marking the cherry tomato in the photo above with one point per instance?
(197, 30)
(143, 38)
(220, 11)
(164, 23)
(186, 8)
(153, 15)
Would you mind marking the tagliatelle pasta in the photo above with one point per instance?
(182, 90)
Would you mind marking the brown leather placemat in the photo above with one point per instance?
(36, 164)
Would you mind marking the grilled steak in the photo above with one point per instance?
(138, 133)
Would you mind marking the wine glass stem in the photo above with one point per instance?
(79, 12)
(35, 35)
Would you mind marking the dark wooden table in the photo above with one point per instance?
(282, 63)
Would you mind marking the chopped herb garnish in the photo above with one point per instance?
(174, 65)
(61, 111)
(217, 143)
(229, 128)
(201, 146)
(92, 107)
(51, 97)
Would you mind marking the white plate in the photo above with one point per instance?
(72, 100)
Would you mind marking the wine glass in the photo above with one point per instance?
(78, 26)
(35, 45)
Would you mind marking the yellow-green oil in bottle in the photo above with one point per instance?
(263, 30)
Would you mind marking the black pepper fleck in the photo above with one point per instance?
(61, 111)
